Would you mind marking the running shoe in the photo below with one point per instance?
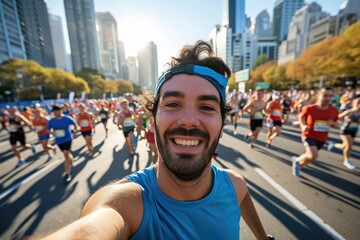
(235, 132)
(268, 144)
(33, 148)
(251, 145)
(330, 146)
(246, 138)
(349, 165)
(67, 178)
(295, 167)
(20, 163)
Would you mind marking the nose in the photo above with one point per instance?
(188, 118)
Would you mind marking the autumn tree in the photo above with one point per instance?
(257, 75)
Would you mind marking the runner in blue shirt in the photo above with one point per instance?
(60, 127)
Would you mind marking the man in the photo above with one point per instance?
(60, 127)
(315, 122)
(86, 121)
(16, 123)
(183, 196)
(255, 108)
(126, 121)
(274, 118)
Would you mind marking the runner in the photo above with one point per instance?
(60, 125)
(234, 104)
(126, 122)
(3, 117)
(274, 111)
(349, 130)
(242, 104)
(104, 116)
(286, 104)
(40, 123)
(255, 108)
(16, 122)
(86, 121)
(315, 121)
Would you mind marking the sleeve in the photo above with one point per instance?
(304, 111)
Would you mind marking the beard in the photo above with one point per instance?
(185, 166)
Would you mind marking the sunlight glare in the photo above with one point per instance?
(136, 32)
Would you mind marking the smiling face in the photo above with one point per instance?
(188, 125)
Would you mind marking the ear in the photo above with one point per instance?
(152, 124)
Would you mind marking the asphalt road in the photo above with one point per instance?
(323, 203)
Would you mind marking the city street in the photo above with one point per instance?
(323, 203)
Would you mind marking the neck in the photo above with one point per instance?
(184, 190)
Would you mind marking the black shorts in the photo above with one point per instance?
(128, 130)
(312, 142)
(103, 120)
(66, 146)
(278, 123)
(286, 111)
(17, 137)
(349, 131)
(255, 123)
(86, 133)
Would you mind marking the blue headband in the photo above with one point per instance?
(219, 81)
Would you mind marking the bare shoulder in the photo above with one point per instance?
(124, 197)
(239, 184)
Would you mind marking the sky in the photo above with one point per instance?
(169, 23)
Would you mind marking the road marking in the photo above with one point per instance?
(28, 179)
(310, 214)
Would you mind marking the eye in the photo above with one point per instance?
(172, 105)
(207, 108)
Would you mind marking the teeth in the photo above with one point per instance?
(187, 142)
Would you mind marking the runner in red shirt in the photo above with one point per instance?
(274, 111)
(315, 121)
(39, 123)
(86, 122)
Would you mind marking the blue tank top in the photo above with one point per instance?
(216, 216)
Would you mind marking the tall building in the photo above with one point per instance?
(58, 40)
(80, 15)
(233, 18)
(132, 70)
(35, 27)
(262, 26)
(148, 66)
(106, 28)
(122, 60)
(349, 13)
(284, 10)
(11, 39)
(233, 15)
(298, 33)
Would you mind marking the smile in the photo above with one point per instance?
(186, 143)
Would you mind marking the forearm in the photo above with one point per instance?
(251, 217)
(102, 224)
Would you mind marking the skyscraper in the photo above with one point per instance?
(80, 15)
(233, 15)
(284, 10)
(11, 42)
(106, 27)
(263, 26)
(58, 41)
(148, 66)
(35, 27)
(234, 19)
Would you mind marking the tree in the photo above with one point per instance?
(276, 77)
(260, 60)
(257, 75)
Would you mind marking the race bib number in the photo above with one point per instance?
(39, 128)
(276, 113)
(258, 115)
(13, 128)
(321, 126)
(59, 133)
(128, 122)
(84, 123)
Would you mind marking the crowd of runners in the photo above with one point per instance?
(316, 112)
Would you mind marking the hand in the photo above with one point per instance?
(304, 128)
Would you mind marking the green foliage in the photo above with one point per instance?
(260, 60)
